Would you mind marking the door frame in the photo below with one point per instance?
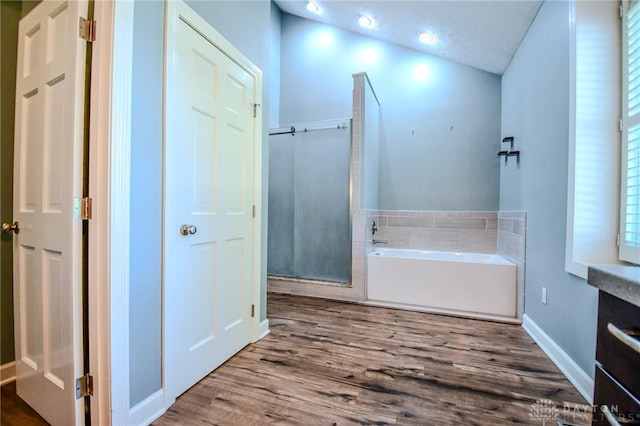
(110, 148)
(109, 169)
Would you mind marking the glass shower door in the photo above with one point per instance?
(281, 205)
(309, 203)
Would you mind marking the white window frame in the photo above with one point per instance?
(594, 139)
(626, 252)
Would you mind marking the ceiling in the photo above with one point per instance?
(483, 34)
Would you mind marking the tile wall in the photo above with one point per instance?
(512, 233)
(475, 232)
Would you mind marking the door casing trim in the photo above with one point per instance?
(110, 147)
(110, 142)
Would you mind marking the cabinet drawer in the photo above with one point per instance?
(624, 407)
(617, 358)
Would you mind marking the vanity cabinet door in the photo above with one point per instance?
(619, 322)
(623, 406)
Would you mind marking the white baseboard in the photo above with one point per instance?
(145, 412)
(264, 329)
(7, 373)
(576, 375)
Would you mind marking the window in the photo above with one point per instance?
(594, 142)
(630, 164)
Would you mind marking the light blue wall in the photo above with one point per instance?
(145, 290)
(440, 130)
(274, 66)
(246, 25)
(535, 110)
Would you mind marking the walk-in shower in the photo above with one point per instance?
(309, 235)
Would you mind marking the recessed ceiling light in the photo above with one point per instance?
(313, 7)
(365, 21)
(428, 37)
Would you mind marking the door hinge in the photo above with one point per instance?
(87, 29)
(621, 11)
(253, 311)
(621, 124)
(253, 211)
(82, 208)
(255, 110)
(84, 386)
(618, 240)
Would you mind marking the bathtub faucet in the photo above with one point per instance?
(380, 242)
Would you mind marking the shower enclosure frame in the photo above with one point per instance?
(361, 217)
(322, 126)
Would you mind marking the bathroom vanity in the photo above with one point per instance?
(617, 379)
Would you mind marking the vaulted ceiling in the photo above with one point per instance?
(480, 33)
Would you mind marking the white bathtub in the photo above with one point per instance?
(469, 284)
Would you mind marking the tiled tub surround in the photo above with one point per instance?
(512, 235)
(503, 233)
(470, 232)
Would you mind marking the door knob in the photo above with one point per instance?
(7, 227)
(187, 230)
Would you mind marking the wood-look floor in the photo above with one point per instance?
(14, 411)
(333, 363)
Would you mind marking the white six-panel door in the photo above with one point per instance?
(209, 166)
(47, 178)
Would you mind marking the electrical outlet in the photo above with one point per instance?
(544, 295)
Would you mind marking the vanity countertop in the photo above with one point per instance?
(618, 280)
